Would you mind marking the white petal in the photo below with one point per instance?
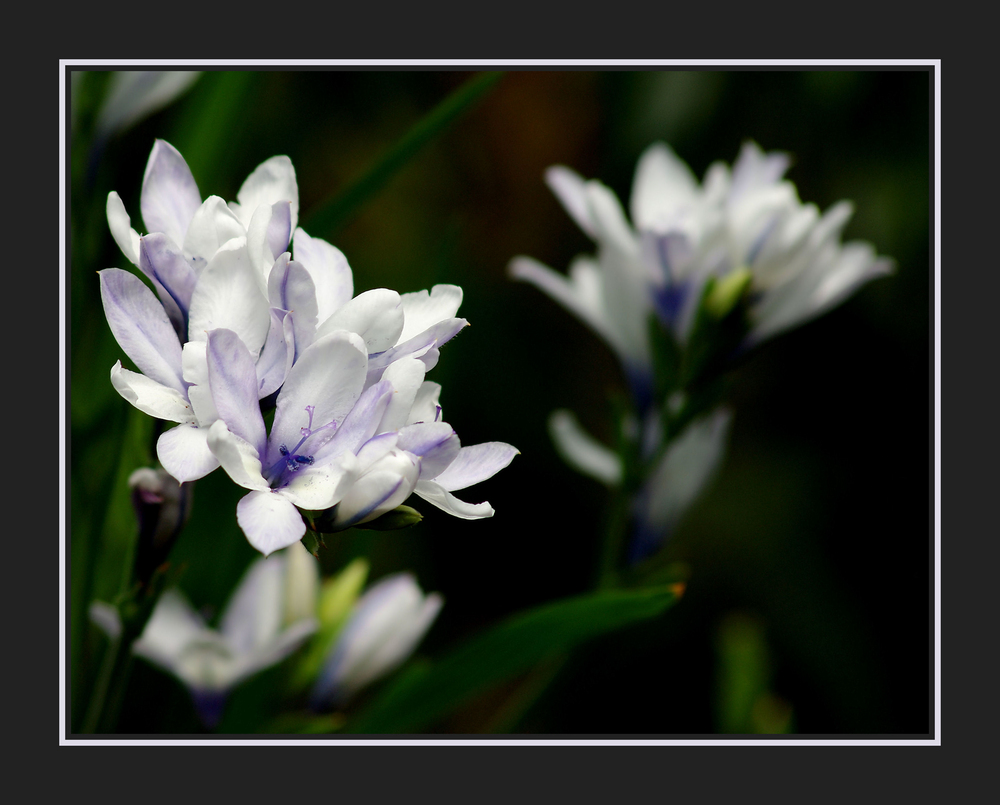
(422, 309)
(269, 521)
(212, 226)
(425, 404)
(387, 484)
(329, 270)
(232, 377)
(151, 397)
(432, 492)
(183, 451)
(406, 376)
(172, 627)
(375, 315)
(271, 181)
(228, 296)
(238, 457)
(569, 189)
(476, 463)
(121, 228)
(581, 451)
(663, 189)
(169, 195)
(322, 485)
(328, 376)
(194, 359)
(252, 616)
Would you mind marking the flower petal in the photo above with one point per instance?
(329, 270)
(569, 189)
(375, 315)
(360, 424)
(323, 484)
(151, 397)
(425, 404)
(406, 376)
(476, 463)
(232, 376)
(121, 228)
(141, 327)
(269, 521)
(663, 189)
(387, 484)
(169, 197)
(212, 226)
(421, 346)
(434, 493)
(422, 310)
(436, 443)
(328, 376)
(290, 287)
(172, 627)
(171, 274)
(271, 181)
(228, 296)
(184, 453)
(277, 354)
(582, 451)
(252, 616)
(238, 457)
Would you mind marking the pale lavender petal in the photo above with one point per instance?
(328, 377)
(171, 274)
(422, 309)
(121, 228)
(172, 627)
(375, 315)
(360, 423)
(329, 270)
(194, 359)
(269, 521)
(169, 196)
(290, 287)
(232, 377)
(228, 296)
(754, 169)
(184, 453)
(415, 347)
(151, 397)
(434, 493)
(277, 354)
(436, 443)
(476, 463)
(141, 327)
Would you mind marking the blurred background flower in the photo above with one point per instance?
(816, 529)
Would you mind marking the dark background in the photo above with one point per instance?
(819, 524)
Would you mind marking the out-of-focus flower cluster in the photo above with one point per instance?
(701, 273)
(243, 320)
(277, 607)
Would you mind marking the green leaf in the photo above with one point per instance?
(425, 693)
(400, 517)
(339, 209)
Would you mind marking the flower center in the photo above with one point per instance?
(291, 459)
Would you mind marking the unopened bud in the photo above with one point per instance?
(727, 291)
(162, 507)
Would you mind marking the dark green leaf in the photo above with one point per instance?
(425, 693)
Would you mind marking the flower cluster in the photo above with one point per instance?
(243, 319)
(702, 271)
(745, 220)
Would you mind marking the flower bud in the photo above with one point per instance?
(162, 507)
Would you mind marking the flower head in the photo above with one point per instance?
(682, 233)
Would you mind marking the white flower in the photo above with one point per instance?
(383, 629)
(682, 233)
(265, 620)
(134, 94)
